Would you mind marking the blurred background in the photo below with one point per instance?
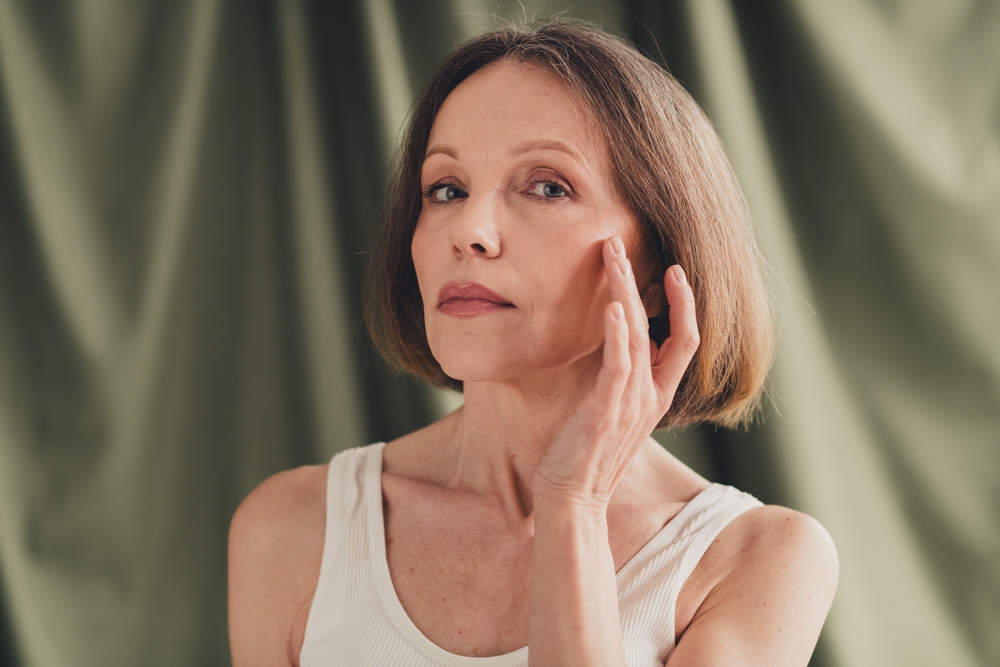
(188, 190)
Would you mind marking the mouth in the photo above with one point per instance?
(470, 299)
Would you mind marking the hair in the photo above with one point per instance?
(672, 173)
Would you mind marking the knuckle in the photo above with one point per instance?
(620, 367)
(618, 374)
(624, 334)
(691, 344)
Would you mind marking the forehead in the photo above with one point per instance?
(507, 105)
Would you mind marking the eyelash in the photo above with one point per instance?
(561, 184)
(429, 191)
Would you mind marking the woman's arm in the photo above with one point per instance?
(574, 598)
(275, 549)
(776, 570)
(770, 578)
(574, 601)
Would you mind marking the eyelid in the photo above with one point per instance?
(428, 191)
(538, 176)
(550, 177)
(543, 173)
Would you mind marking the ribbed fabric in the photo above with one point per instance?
(356, 620)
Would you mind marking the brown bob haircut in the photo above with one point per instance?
(671, 171)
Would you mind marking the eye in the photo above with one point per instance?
(444, 192)
(548, 190)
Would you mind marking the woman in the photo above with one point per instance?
(566, 244)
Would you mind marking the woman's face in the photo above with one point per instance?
(518, 200)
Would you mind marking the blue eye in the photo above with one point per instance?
(443, 192)
(548, 190)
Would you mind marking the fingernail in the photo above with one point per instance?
(623, 266)
(617, 311)
(679, 274)
(618, 246)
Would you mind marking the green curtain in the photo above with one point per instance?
(187, 194)
(868, 138)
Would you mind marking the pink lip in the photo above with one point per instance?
(469, 299)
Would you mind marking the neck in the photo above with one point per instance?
(504, 429)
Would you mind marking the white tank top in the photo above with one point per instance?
(356, 620)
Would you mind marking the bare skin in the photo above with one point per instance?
(507, 520)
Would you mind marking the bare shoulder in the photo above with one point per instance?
(760, 594)
(780, 549)
(275, 549)
(282, 502)
(777, 534)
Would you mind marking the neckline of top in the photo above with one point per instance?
(380, 563)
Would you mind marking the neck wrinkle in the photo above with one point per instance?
(504, 430)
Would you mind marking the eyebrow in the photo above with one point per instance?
(439, 148)
(520, 149)
(545, 145)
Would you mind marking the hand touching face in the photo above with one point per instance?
(518, 202)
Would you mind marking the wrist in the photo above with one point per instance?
(582, 505)
(573, 495)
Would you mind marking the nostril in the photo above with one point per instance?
(479, 247)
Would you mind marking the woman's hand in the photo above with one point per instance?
(574, 599)
(633, 391)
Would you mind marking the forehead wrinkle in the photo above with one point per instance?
(545, 145)
(587, 144)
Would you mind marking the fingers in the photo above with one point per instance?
(670, 360)
(675, 354)
(625, 291)
(617, 362)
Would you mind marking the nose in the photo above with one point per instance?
(474, 231)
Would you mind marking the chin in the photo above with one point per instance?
(493, 365)
(491, 360)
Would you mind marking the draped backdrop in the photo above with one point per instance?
(188, 190)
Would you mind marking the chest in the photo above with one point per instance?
(461, 572)
(462, 569)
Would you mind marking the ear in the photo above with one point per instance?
(654, 298)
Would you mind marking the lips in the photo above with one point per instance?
(469, 299)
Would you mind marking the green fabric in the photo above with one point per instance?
(187, 193)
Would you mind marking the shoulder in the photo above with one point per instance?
(290, 504)
(275, 550)
(780, 548)
(764, 533)
(765, 585)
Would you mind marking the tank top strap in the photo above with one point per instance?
(346, 541)
(649, 583)
(356, 619)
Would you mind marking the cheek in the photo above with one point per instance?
(575, 292)
(421, 252)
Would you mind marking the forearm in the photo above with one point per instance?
(574, 597)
